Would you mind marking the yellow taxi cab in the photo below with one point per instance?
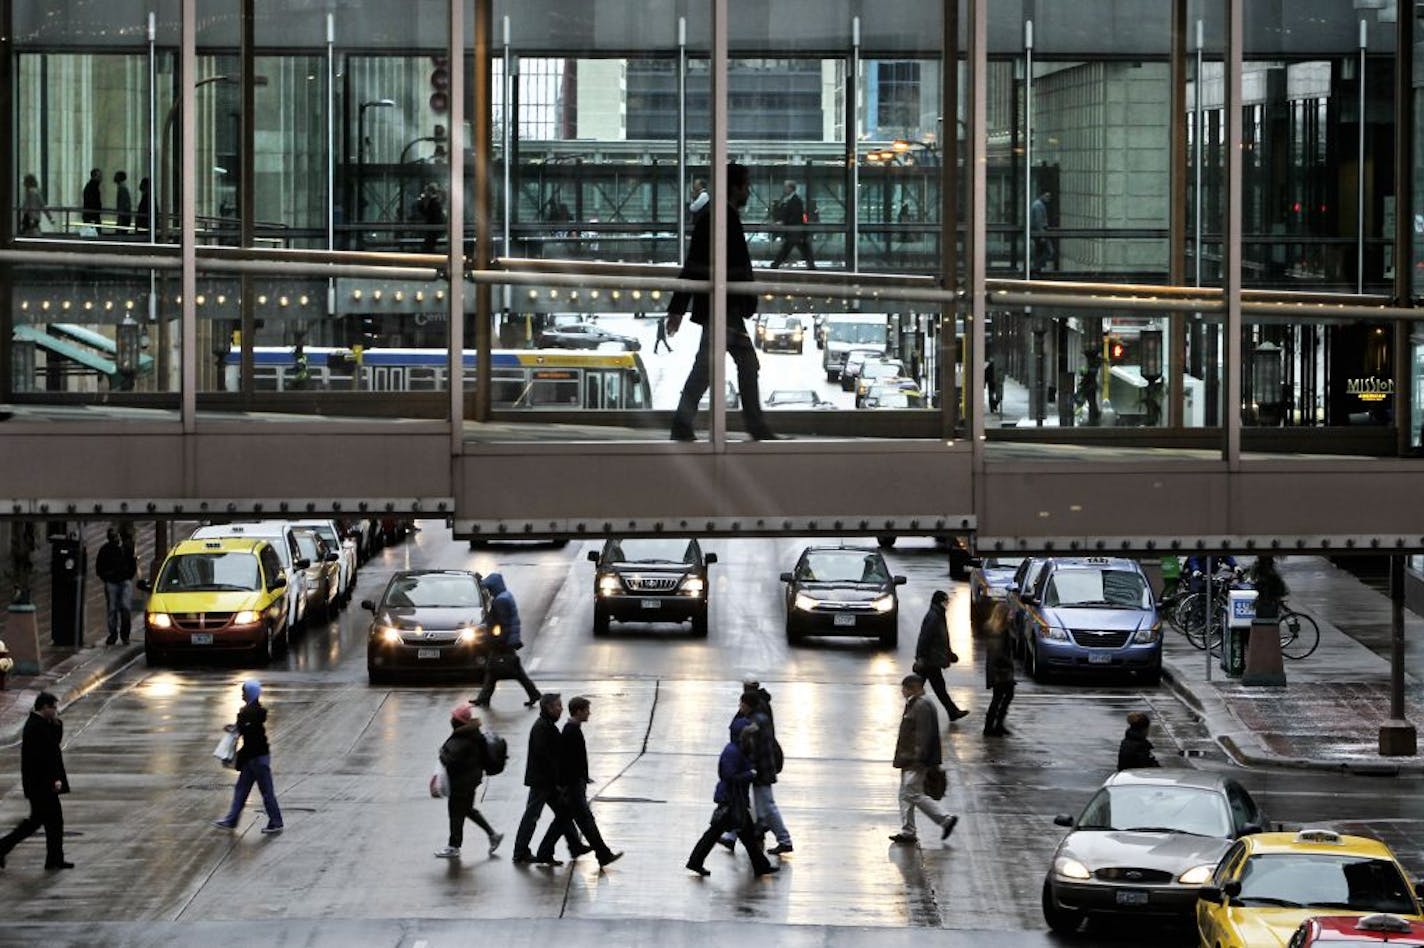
(216, 596)
(1267, 884)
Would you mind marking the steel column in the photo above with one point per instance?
(1028, 195)
(1177, 212)
(331, 154)
(1360, 167)
(246, 200)
(949, 240)
(8, 179)
(188, 214)
(1405, 424)
(976, 163)
(455, 232)
(480, 130)
(682, 180)
(852, 137)
(507, 160)
(717, 345)
(1231, 246)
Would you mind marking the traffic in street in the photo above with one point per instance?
(351, 761)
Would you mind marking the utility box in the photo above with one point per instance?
(69, 565)
(1240, 611)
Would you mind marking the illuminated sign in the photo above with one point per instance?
(1370, 389)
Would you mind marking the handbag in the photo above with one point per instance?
(440, 782)
(226, 751)
(936, 783)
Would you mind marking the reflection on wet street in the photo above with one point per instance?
(352, 762)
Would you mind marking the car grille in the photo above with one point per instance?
(833, 606)
(1100, 639)
(1125, 874)
(652, 583)
(429, 638)
(201, 621)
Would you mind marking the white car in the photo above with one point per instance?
(345, 545)
(284, 541)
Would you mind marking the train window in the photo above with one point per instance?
(554, 393)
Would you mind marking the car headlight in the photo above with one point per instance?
(1070, 868)
(883, 603)
(806, 603)
(247, 617)
(390, 634)
(467, 636)
(609, 585)
(1149, 635)
(496, 631)
(159, 620)
(1197, 875)
(694, 585)
(1050, 632)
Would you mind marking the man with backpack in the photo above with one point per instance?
(573, 770)
(467, 757)
(768, 760)
(502, 655)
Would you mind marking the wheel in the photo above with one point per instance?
(152, 657)
(376, 676)
(262, 651)
(801, 349)
(1061, 920)
(832, 376)
(847, 383)
(793, 634)
(1300, 636)
(1190, 618)
(891, 636)
(699, 624)
(1153, 677)
(885, 542)
(1035, 670)
(600, 621)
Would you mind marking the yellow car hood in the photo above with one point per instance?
(224, 601)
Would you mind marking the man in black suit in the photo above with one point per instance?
(43, 779)
(739, 307)
(791, 214)
(574, 773)
(545, 783)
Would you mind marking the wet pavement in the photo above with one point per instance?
(351, 762)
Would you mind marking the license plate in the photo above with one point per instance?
(1131, 897)
(652, 603)
(1099, 658)
(845, 620)
(427, 653)
(201, 638)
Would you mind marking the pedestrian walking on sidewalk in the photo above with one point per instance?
(755, 704)
(546, 786)
(253, 761)
(916, 753)
(574, 772)
(735, 773)
(998, 671)
(116, 567)
(1135, 749)
(662, 338)
(43, 780)
(502, 651)
(933, 654)
(464, 756)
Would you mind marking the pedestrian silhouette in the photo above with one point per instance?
(916, 753)
(502, 647)
(546, 789)
(464, 756)
(123, 203)
(43, 780)
(998, 671)
(93, 198)
(253, 762)
(574, 773)
(790, 213)
(662, 339)
(735, 773)
(1135, 749)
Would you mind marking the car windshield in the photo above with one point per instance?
(842, 566)
(892, 398)
(210, 572)
(1321, 880)
(1098, 587)
(1003, 562)
(434, 590)
(858, 356)
(651, 551)
(329, 535)
(1158, 808)
(306, 542)
(783, 397)
(777, 322)
(856, 332)
(882, 370)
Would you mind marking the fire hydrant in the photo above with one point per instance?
(6, 664)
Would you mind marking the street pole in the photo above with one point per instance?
(1397, 737)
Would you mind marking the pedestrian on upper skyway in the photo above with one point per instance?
(253, 761)
(790, 212)
(916, 752)
(116, 567)
(767, 758)
(43, 780)
(546, 788)
(93, 197)
(123, 202)
(735, 773)
(701, 197)
(933, 653)
(1135, 749)
(32, 205)
(464, 756)
(503, 644)
(998, 670)
(573, 770)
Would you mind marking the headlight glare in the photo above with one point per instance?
(159, 620)
(246, 617)
(693, 585)
(608, 585)
(883, 603)
(1056, 634)
(805, 603)
(467, 636)
(390, 634)
(1149, 635)
(1197, 875)
(1070, 868)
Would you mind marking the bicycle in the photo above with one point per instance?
(1300, 636)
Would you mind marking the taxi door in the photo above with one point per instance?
(1212, 917)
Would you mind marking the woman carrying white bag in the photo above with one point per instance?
(253, 761)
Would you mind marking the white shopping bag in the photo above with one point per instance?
(226, 751)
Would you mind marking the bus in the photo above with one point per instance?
(548, 379)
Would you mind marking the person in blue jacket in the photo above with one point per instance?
(735, 773)
(503, 643)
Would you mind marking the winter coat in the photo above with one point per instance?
(41, 760)
(734, 778)
(999, 661)
(933, 646)
(503, 612)
(115, 563)
(792, 211)
(463, 755)
(1135, 750)
(541, 770)
(573, 755)
(699, 267)
(252, 728)
(765, 757)
(918, 742)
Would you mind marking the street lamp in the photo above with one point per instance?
(361, 153)
(1266, 382)
(1150, 345)
(164, 197)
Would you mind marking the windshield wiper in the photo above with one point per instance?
(1268, 900)
(1161, 829)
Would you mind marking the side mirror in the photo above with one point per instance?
(278, 582)
(710, 558)
(1063, 819)
(1209, 893)
(331, 557)
(1231, 889)
(900, 580)
(368, 605)
(1419, 889)
(145, 585)
(786, 577)
(1250, 828)
(302, 563)
(976, 563)
(593, 556)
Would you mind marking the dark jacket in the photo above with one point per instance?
(252, 727)
(41, 760)
(918, 741)
(541, 770)
(792, 211)
(93, 200)
(1135, 750)
(115, 563)
(503, 612)
(734, 776)
(573, 755)
(463, 755)
(699, 267)
(933, 645)
(123, 202)
(999, 661)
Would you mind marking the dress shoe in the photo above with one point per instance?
(547, 861)
(958, 713)
(948, 827)
(730, 844)
(781, 849)
(993, 732)
(480, 704)
(768, 436)
(609, 859)
(767, 871)
(904, 839)
(701, 871)
(583, 850)
(110, 640)
(521, 858)
(54, 866)
(530, 703)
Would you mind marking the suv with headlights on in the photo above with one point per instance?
(659, 579)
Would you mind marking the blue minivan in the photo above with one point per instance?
(1090, 615)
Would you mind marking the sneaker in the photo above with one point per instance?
(449, 852)
(780, 849)
(583, 850)
(959, 713)
(948, 826)
(905, 839)
(270, 830)
(495, 840)
(224, 825)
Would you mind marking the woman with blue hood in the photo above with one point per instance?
(253, 762)
(503, 644)
(735, 773)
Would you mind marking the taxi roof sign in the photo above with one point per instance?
(1317, 836)
(1384, 922)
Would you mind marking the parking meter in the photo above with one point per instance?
(1241, 610)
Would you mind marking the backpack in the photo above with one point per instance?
(496, 754)
(778, 758)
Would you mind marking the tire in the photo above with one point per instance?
(832, 376)
(699, 625)
(1153, 678)
(1059, 920)
(152, 657)
(793, 634)
(1300, 636)
(600, 621)
(377, 677)
(886, 542)
(1035, 670)
(801, 349)
(262, 651)
(890, 638)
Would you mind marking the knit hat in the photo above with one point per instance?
(251, 690)
(939, 596)
(462, 713)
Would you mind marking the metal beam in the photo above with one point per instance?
(1177, 209)
(188, 218)
(717, 328)
(455, 230)
(949, 230)
(1404, 157)
(481, 129)
(1231, 245)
